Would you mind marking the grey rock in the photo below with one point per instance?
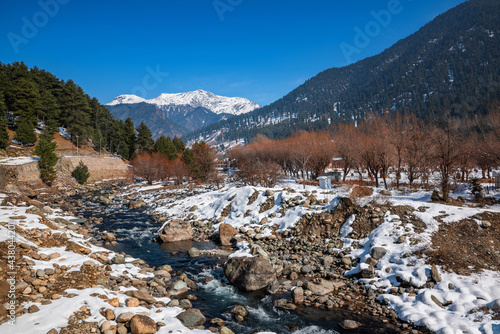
(192, 317)
(378, 252)
(350, 324)
(435, 275)
(249, 273)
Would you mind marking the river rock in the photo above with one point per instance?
(33, 309)
(435, 275)
(141, 324)
(194, 252)
(378, 252)
(141, 295)
(367, 272)
(349, 324)
(104, 200)
(323, 287)
(177, 288)
(134, 205)
(132, 302)
(226, 233)
(192, 318)
(176, 230)
(240, 310)
(124, 317)
(257, 250)
(298, 295)
(109, 237)
(249, 273)
(225, 330)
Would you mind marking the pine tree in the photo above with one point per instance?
(25, 133)
(189, 160)
(4, 135)
(130, 138)
(23, 98)
(171, 151)
(161, 145)
(81, 173)
(46, 150)
(49, 109)
(145, 140)
(75, 111)
(165, 146)
(179, 144)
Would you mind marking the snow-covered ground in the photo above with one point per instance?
(18, 161)
(463, 295)
(57, 314)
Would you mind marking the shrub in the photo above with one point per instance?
(81, 173)
(476, 189)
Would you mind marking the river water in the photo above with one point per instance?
(135, 230)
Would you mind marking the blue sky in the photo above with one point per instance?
(258, 49)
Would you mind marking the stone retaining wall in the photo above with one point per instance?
(100, 168)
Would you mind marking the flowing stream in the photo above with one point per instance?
(135, 230)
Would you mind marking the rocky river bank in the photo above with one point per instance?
(299, 267)
(299, 260)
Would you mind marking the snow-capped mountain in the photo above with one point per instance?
(199, 98)
(178, 114)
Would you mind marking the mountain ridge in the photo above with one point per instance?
(441, 67)
(180, 113)
(198, 98)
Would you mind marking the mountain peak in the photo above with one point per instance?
(198, 98)
(126, 99)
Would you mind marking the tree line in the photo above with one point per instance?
(168, 159)
(378, 146)
(29, 97)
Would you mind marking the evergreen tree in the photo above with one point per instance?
(49, 109)
(75, 111)
(190, 161)
(161, 145)
(123, 150)
(25, 133)
(130, 138)
(4, 135)
(145, 140)
(23, 98)
(179, 144)
(171, 151)
(165, 146)
(81, 173)
(46, 150)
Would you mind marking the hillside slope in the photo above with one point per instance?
(452, 64)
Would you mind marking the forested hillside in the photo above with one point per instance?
(30, 96)
(450, 66)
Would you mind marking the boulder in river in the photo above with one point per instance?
(226, 233)
(134, 205)
(176, 230)
(249, 273)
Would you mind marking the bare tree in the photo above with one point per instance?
(446, 152)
